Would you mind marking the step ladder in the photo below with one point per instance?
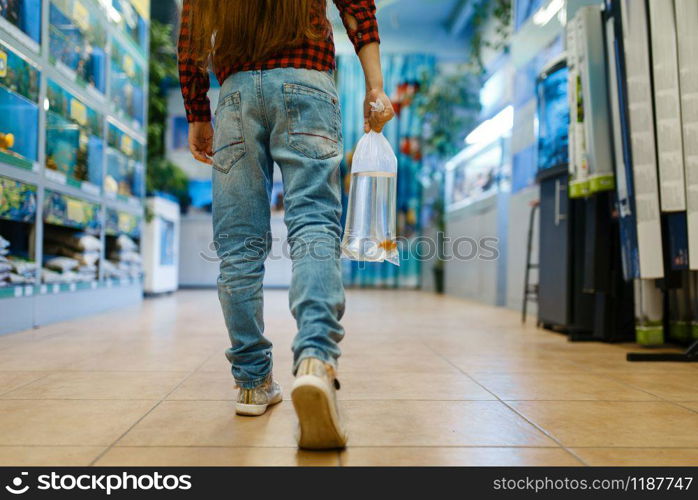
(530, 289)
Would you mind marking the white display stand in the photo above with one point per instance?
(160, 246)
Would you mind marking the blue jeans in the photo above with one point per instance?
(289, 117)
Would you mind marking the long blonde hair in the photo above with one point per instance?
(239, 31)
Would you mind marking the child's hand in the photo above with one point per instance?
(375, 120)
(201, 141)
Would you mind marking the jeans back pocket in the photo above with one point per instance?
(313, 121)
(228, 137)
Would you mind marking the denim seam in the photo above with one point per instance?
(251, 384)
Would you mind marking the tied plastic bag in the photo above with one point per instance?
(370, 231)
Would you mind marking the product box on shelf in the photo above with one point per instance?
(119, 222)
(68, 211)
(686, 21)
(642, 138)
(78, 39)
(125, 171)
(667, 106)
(19, 110)
(74, 141)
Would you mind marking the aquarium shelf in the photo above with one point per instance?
(71, 176)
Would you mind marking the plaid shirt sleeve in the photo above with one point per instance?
(364, 11)
(193, 80)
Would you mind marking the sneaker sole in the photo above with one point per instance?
(317, 416)
(256, 410)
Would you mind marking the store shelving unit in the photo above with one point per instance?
(87, 71)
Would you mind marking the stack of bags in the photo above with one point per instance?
(125, 261)
(71, 258)
(23, 271)
(5, 266)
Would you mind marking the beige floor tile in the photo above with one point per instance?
(69, 423)
(559, 386)
(672, 386)
(438, 423)
(613, 424)
(212, 423)
(457, 457)
(219, 456)
(10, 381)
(220, 386)
(100, 385)
(408, 385)
(473, 363)
(638, 457)
(692, 406)
(56, 456)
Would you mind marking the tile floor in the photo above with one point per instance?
(427, 380)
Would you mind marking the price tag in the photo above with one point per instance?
(129, 66)
(56, 288)
(90, 188)
(127, 145)
(3, 64)
(78, 111)
(81, 16)
(94, 285)
(75, 211)
(28, 291)
(18, 291)
(43, 290)
(73, 287)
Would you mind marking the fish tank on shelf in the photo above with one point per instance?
(127, 86)
(131, 18)
(19, 110)
(23, 19)
(74, 141)
(125, 177)
(77, 41)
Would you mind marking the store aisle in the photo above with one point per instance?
(426, 380)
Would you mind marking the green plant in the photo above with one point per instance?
(487, 11)
(162, 175)
(449, 109)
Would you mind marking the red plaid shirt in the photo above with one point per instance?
(313, 54)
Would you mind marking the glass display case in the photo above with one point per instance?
(130, 17)
(127, 85)
(19, 110)
(24, 16)
(77, 38)
(477, 173)
(74, 140)
(125, 171)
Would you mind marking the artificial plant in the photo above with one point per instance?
(162, 175)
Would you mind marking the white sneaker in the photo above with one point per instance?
(254, 402)
(314, 399)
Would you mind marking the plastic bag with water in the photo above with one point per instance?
(370, 231)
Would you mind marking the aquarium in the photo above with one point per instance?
(125, 171)
(19, 111)
(74, 138)
(129, 18)
(127, 85)
(77, 41)
(24, 15)
(478, 173)
(553, 118)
